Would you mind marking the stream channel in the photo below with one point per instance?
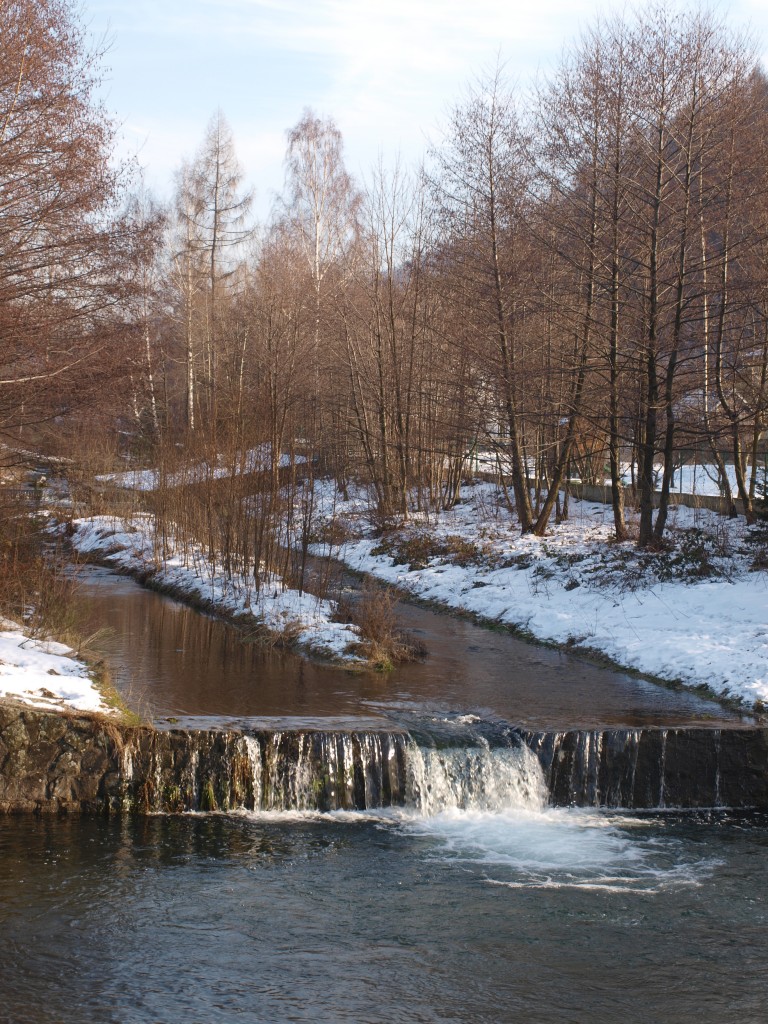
(507, 910)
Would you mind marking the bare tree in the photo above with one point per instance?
(66, 257)
(480, 185)
(212, 210)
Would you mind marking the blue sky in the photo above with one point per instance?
(386, 71)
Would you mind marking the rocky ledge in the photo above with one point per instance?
(67, 763)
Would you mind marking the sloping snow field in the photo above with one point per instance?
(697, 613)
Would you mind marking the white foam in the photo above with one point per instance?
(474, 779)
(560, 849)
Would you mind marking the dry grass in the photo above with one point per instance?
(34, 587)
(417, 548)
(383, 643)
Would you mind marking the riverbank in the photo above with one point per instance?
(47, 675)
(285, 615)
(694, 613)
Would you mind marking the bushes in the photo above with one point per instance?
(418, 549)
(382, 642)
(35, 587)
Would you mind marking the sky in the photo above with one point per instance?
(386, 71)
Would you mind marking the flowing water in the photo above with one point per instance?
(467, 916)
(173, 661)
(474, 901)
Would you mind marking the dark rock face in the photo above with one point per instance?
(66, 763)
(51, 762)
(655, 768)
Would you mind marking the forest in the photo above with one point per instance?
(573, 286)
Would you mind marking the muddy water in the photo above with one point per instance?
(173, 661)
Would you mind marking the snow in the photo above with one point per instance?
(305, 619)
(44, 674)
(133, 480)
(657, 614)
(696, 613)
(693, 478)
(690, 478)
(256, 460)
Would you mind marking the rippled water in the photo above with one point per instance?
(465, 916)
(488, 909)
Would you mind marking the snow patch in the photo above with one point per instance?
(576, 586)
(44, 674)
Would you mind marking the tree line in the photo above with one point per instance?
(574, 284)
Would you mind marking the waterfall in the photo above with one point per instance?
(654, 769)
(474, 778)
(328, 771)
(90, 766)
(316, 770)
(262, 770)
(372, 769)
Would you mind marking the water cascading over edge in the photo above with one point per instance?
(654, 769)
(264, 770)
(317, 770)
(478, 778)
(51, 763)
(295, 770)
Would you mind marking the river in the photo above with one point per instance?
(506, 912)
(171, 660)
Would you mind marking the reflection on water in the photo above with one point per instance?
(527, 916)
(175, 661)
(487, 910)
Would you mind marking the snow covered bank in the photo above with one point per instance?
(255, 460)
(697, 613)
(304, 619)
(44, 674)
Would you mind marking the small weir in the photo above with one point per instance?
(297, 770)
(440, 736)
(264, 770)
(50, 763)
(654, 769)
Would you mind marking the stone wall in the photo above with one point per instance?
(53, 762)
(68, 763)
(602, 495)
(647, 769)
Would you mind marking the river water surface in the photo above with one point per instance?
(512, 911)
(172, 660)
(535, 917)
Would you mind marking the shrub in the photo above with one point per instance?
(691, 558)
(382, 642)
(333, 533)
(417, 549)
(35, 586)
